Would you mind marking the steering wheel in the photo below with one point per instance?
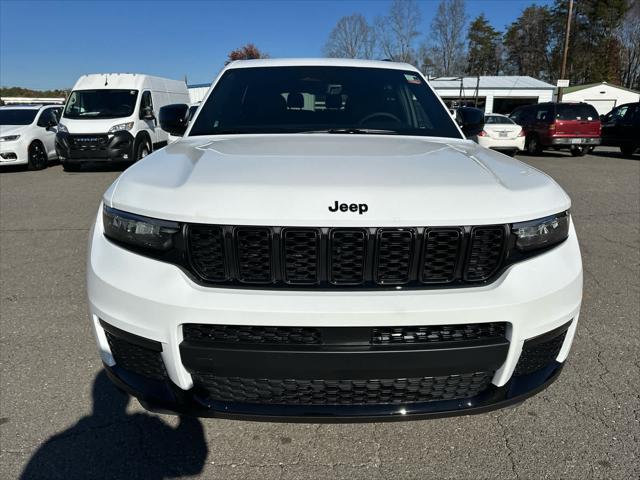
(379, 114)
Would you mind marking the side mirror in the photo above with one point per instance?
(51, 124)
(173, 118)
(471, 120)
(147, 113)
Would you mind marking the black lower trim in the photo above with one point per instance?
(114, 147)
(165, 397)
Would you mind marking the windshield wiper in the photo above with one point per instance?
(354, 131)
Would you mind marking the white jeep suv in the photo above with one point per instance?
(27, 135)
(325, 243)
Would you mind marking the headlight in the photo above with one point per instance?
(9, 138)
(141, 232)
(541, 233)
(62, 128)
(120, 127)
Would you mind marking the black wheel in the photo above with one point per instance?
(627, 150)
(38, 159)
(142, 150)
(533, 145)
(578, 151)
(70, 167)
(590, 149)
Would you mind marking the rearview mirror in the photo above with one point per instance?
(147, 113)
(173, 118)
(471, 120)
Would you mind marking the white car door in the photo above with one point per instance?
(46, 130)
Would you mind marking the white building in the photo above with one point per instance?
(494, 94)
(198, 91)
(32, 100)
(603, 96)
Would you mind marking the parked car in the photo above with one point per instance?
(501, 133)
(573, 126)
(27, 134)
(193, 108)
(324, 242)
(113, 117)
(621, 128)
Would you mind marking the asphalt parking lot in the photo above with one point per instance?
(60, 418)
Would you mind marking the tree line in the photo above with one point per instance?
(29, 93)
(604, 44)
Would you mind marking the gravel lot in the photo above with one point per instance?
(60, 418)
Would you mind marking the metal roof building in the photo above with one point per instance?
(603, 96)
(499, 94)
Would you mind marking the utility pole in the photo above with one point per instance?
(567, 33)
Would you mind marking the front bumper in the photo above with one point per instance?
(14, 153)
(116, 147)
(153, 301)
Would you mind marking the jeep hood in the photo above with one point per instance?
(293, 179)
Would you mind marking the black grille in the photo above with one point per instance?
(348, 257)
(486, 252)
(343, 392)
(301, 256)
(254, 255)
(536, 354)
(441, 255)
(88, 142)
(135, 358)
(345, 258)
(207, 252)
(242, 334)
(438, 333)
(395, 251)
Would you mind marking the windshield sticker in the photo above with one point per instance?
(412, 79)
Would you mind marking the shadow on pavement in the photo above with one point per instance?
(112, 444)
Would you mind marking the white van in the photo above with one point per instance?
(113, 117)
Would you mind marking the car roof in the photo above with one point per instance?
(30, 106)
(320, 62)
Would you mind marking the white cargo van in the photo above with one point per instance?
(113, 117)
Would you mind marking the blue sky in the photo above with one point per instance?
(49, 44)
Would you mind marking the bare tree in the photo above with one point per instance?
(396, 32)
(352, 37)
(447, 36)
(629, 39)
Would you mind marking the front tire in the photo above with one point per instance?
(142, 150)
(627, 150)
(38, 159)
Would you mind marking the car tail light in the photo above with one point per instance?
(482, 134)
(552, 127)
(521, 134)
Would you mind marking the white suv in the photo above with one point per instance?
(27, 135)
(324, 242)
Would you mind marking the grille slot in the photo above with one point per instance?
(301, 256)
(536, 355)
(241, 334)
(441, 255)
(343, 392)
(393, 258)
(206, 245)
(348, 250)
(136, 359)
(438, 333)
(253, 248)
(485, 255)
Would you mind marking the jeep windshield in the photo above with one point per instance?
(351, 100)
(101, 104)
(17, 116)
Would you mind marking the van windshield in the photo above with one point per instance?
(17, 116)
(323, 99)
(580, 111)
(100, 103)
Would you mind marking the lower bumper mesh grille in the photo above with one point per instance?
(343, 392)
(136, 359)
